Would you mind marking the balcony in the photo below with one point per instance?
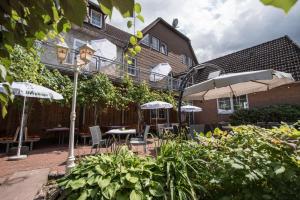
(115, 69)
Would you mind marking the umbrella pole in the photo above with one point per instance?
(21, 129)
(168, 118)
(156, 120)
(19, 156)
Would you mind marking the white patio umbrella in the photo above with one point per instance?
(237, 84)
(26, 90)
(160, 71)
(190, 109)
(157, 105)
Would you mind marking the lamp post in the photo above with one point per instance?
(86, 53)
(185, 80)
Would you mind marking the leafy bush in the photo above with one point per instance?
(274, 113)
(252, 163)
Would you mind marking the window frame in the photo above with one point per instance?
(166, 48)
(131, 68)
(91, 18)
(149, 40)
(151, 44)
(153, 112)
(232, 110)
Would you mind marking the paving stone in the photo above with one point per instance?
(23, 185)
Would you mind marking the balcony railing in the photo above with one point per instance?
(115, 69)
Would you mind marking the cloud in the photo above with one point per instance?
(219, 27)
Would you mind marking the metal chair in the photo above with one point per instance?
(141, 140)
(97, 140)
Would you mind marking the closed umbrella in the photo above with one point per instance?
(237, 84)
(190, 109)
(157, 105)
(26, 90)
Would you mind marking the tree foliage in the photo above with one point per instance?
(285, 5)
(24, 22)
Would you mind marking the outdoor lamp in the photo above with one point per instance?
(86, 53)
(62, 51)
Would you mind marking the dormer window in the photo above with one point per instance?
(96, 18)
(155, 43)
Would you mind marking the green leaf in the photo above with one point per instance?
(137, 49)
(156, 189)
(237, 166)
(131, 179)
(141, 18)
(132, 40)
(137, 8)
(129, 24)
(75, 11)
(125, 7)
(285, 5)
(136, 195)
(139, 34)
(104, 182)
(280, 170)
(3, 72)
(76, 184)
(106, 7)
(100, 170)
(83, 195)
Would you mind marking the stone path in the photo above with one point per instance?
(23, 185)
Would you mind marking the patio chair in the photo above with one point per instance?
(97, 140)
(10, 140)
(141, 140)
(30, 139)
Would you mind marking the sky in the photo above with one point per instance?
(220, 27)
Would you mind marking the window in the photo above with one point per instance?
(163, 48)
(146, 40)
(183, 59)
(189, 61)
(155, 43)
(161, 114)
(229, 105)
(96, 18)
(132, 67)
(240, 102)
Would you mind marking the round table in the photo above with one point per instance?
(118, 132)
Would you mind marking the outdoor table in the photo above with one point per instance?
(61, 131)
(115, 127)
(119, 132)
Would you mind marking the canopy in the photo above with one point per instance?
(156, 105)
(27, 89)
(190, 108)
(160, 71)
(236, 84)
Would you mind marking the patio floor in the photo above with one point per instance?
(53, 157)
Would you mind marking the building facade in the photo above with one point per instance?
(281, 54)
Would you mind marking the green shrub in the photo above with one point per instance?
(274, 113)
(252, 163)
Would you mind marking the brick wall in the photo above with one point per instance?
(288, 94)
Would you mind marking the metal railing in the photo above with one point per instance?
(116, 70)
